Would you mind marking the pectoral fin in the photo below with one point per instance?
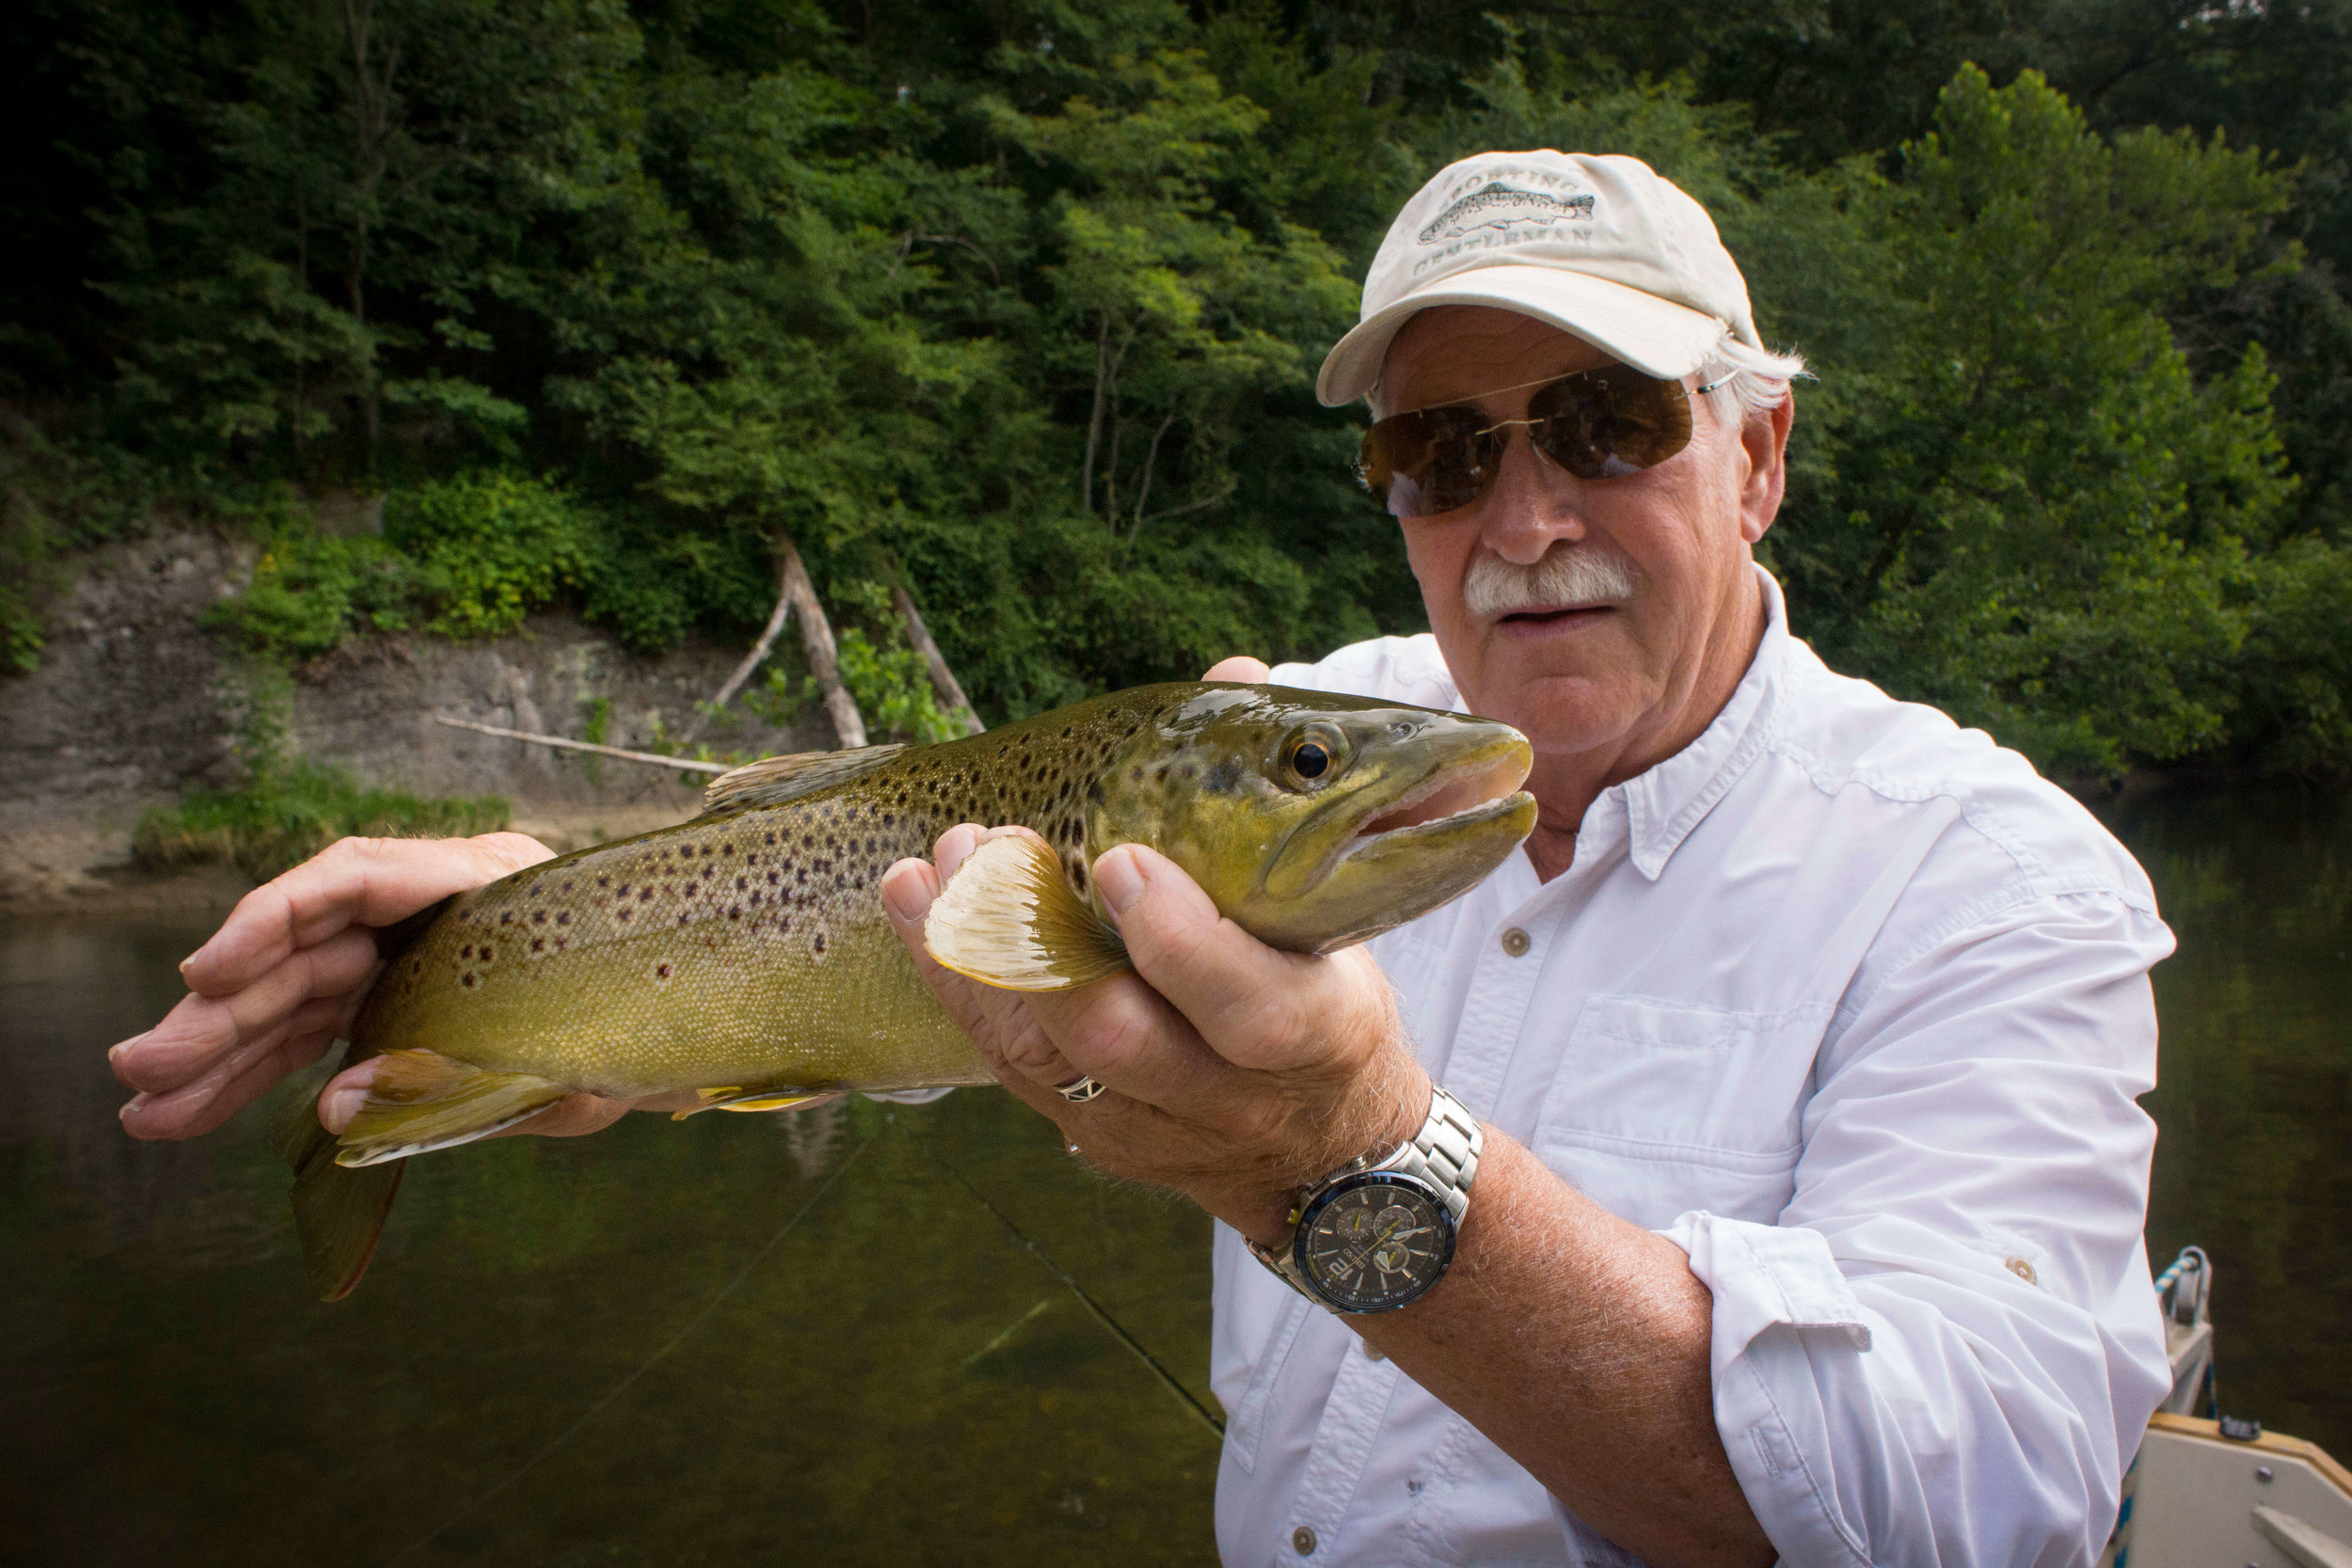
(1009, 918)
(422, 1101)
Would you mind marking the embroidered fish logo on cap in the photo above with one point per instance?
(1500, 206)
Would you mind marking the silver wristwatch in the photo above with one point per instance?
(1375, 1235)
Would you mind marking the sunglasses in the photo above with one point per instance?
(1601, 423)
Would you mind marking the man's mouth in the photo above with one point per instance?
(1552, 615)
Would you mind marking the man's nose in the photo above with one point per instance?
(1532, 505)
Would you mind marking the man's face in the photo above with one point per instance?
(1631, 651)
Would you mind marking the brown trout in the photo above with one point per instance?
(745, 955)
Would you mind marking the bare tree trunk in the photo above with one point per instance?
(1150, 458)
(1094, 420)
(751, 660)
(944, 680)
(375, 117)
(848, 725)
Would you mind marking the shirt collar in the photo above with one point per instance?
(1664, 804)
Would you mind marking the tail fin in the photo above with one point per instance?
(339, 1212)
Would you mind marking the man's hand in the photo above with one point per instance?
(284, 977)
(1237, 1073)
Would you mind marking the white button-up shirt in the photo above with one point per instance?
(1852, 1006)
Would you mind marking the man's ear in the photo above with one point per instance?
(1764, 437)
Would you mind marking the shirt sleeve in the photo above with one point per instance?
(1947, 1350)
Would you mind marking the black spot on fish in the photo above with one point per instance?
(565, 918)
(662, 971)
(681, 920)
(604, 881)
(538, 917)
(467, 979)
(623, 890)
(819, 944)
(1079, 872)
(741, 882)
(538, 945)
(735, 911)
(771, 838)
(486, 954)
(646, 897)
(726, 849)
(466, 951)
(624, 914)
(772, 879)
(507, 919)
(567, 884)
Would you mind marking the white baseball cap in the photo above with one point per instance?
(1601, 247)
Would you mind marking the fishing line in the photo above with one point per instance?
(1174, 1385)
(623, 1387)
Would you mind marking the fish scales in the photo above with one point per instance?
(748, 948)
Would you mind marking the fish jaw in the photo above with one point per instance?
(1443, 810)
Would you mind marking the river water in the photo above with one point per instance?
(870, 1333)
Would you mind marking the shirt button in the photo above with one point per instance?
(1303, 1541)
(2022, 1269)
(1515, 943)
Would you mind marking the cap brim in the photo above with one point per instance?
(1650, 333)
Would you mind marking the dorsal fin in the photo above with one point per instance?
(772, 781)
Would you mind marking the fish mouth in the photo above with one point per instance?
(1454, 793)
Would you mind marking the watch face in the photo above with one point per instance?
(1375, 1242)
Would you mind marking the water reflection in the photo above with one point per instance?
(892, 1378)
(627, 1349)
(2255, 1093)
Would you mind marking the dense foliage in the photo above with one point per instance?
(1020, 303)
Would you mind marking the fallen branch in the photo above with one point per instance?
(751, 660)
(943, 681)
(848, 725)
(657, 759)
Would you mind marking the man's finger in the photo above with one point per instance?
(998, 1022)
(199, 1029)
(1207, 967)
(1241, 667)
(366, 882)
(232, 1084)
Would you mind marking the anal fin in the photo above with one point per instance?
(422, 1101)
(1009, 918)
(739, 1098)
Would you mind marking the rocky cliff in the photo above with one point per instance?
(134, 703)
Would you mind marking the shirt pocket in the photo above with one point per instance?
(1662, 1107)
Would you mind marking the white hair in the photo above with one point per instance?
(1740, 380)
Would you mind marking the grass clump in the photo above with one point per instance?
(284, 817)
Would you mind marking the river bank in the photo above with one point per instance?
(135, 701)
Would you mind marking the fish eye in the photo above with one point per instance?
(1314, 756)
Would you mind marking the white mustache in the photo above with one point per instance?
(1568, 574)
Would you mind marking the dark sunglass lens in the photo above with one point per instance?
(1610, 422)
(1426, 462)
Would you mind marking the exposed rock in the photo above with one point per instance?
(128, 710)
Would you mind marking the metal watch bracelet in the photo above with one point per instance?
(1443, 1154)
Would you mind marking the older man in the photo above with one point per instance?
(1777, 1103)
